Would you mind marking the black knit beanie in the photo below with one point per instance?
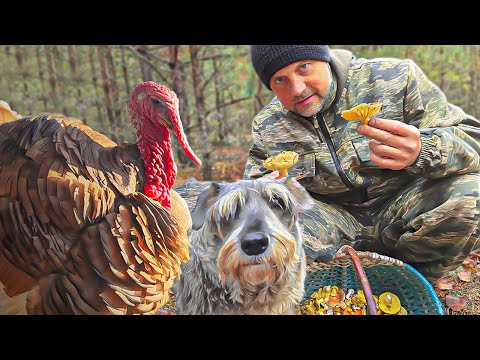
(268, 59)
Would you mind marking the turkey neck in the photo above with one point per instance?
(160, 170)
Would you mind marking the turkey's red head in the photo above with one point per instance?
(158, 106)
(153, 110)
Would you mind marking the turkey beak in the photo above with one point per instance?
(175, 124)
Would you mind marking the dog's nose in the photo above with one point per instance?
(254, 243)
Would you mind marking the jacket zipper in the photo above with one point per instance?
(324, 135)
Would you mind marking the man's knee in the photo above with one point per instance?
(462, 199)
(456, 187)
(465, 185)
(452, 197)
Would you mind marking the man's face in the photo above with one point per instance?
(303, 86)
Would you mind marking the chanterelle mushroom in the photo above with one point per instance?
(281, 162)
(6, 113)
(389, 303)
(362, 112)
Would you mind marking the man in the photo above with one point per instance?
(406, 185)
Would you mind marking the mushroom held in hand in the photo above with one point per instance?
(362, 112)
(281, 162)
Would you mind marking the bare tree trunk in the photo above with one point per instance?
(179, 88)
(77, 80)
(107, 91)
(128, 88)
(112, 80)
(23, 70)
(474, 78)
(51, 76)
(144, 66)
(218, 101)
(91, 60)
(9, 80)
(442, 71)
(43, 97)
(60, 76)
(200, 108)
(258, 103)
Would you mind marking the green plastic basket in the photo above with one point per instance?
(375, 274)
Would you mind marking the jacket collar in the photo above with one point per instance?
(340, 60)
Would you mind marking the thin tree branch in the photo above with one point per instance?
(208, 112)
(152, 65)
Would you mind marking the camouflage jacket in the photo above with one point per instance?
(334, 158)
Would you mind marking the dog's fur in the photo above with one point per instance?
(246, 253)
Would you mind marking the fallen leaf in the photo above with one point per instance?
(441, 293)
(444, 284)
(464, 276)
(455, 303)
(469, 265)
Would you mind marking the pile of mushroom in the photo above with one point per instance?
(332, 300)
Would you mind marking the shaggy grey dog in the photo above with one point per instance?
(246, 254)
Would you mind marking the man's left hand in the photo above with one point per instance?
(394, 145)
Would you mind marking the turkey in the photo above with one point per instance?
(88, 226)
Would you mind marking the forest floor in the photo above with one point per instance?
(458, 290)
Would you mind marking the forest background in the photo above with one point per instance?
(217, 87)
(219, 94)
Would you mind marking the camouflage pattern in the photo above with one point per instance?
(430, 224)
(450, 145)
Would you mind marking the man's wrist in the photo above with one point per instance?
(428, 153)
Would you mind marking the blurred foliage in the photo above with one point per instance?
(26, 82)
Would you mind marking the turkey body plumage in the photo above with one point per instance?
(77, 233)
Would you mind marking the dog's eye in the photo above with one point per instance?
(237, 212)
(280, 202)
(214, 241)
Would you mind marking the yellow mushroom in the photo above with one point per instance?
(6, 113)
(281, 162)
(336, 297)
(402, 311)
(362, 112)
(348, 311)
(359, 299)
(389, 303)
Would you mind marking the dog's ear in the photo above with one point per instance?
(204, 201)
(302, 198)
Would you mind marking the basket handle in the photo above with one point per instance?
(362, 276)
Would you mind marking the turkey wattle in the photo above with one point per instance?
(153, 110)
